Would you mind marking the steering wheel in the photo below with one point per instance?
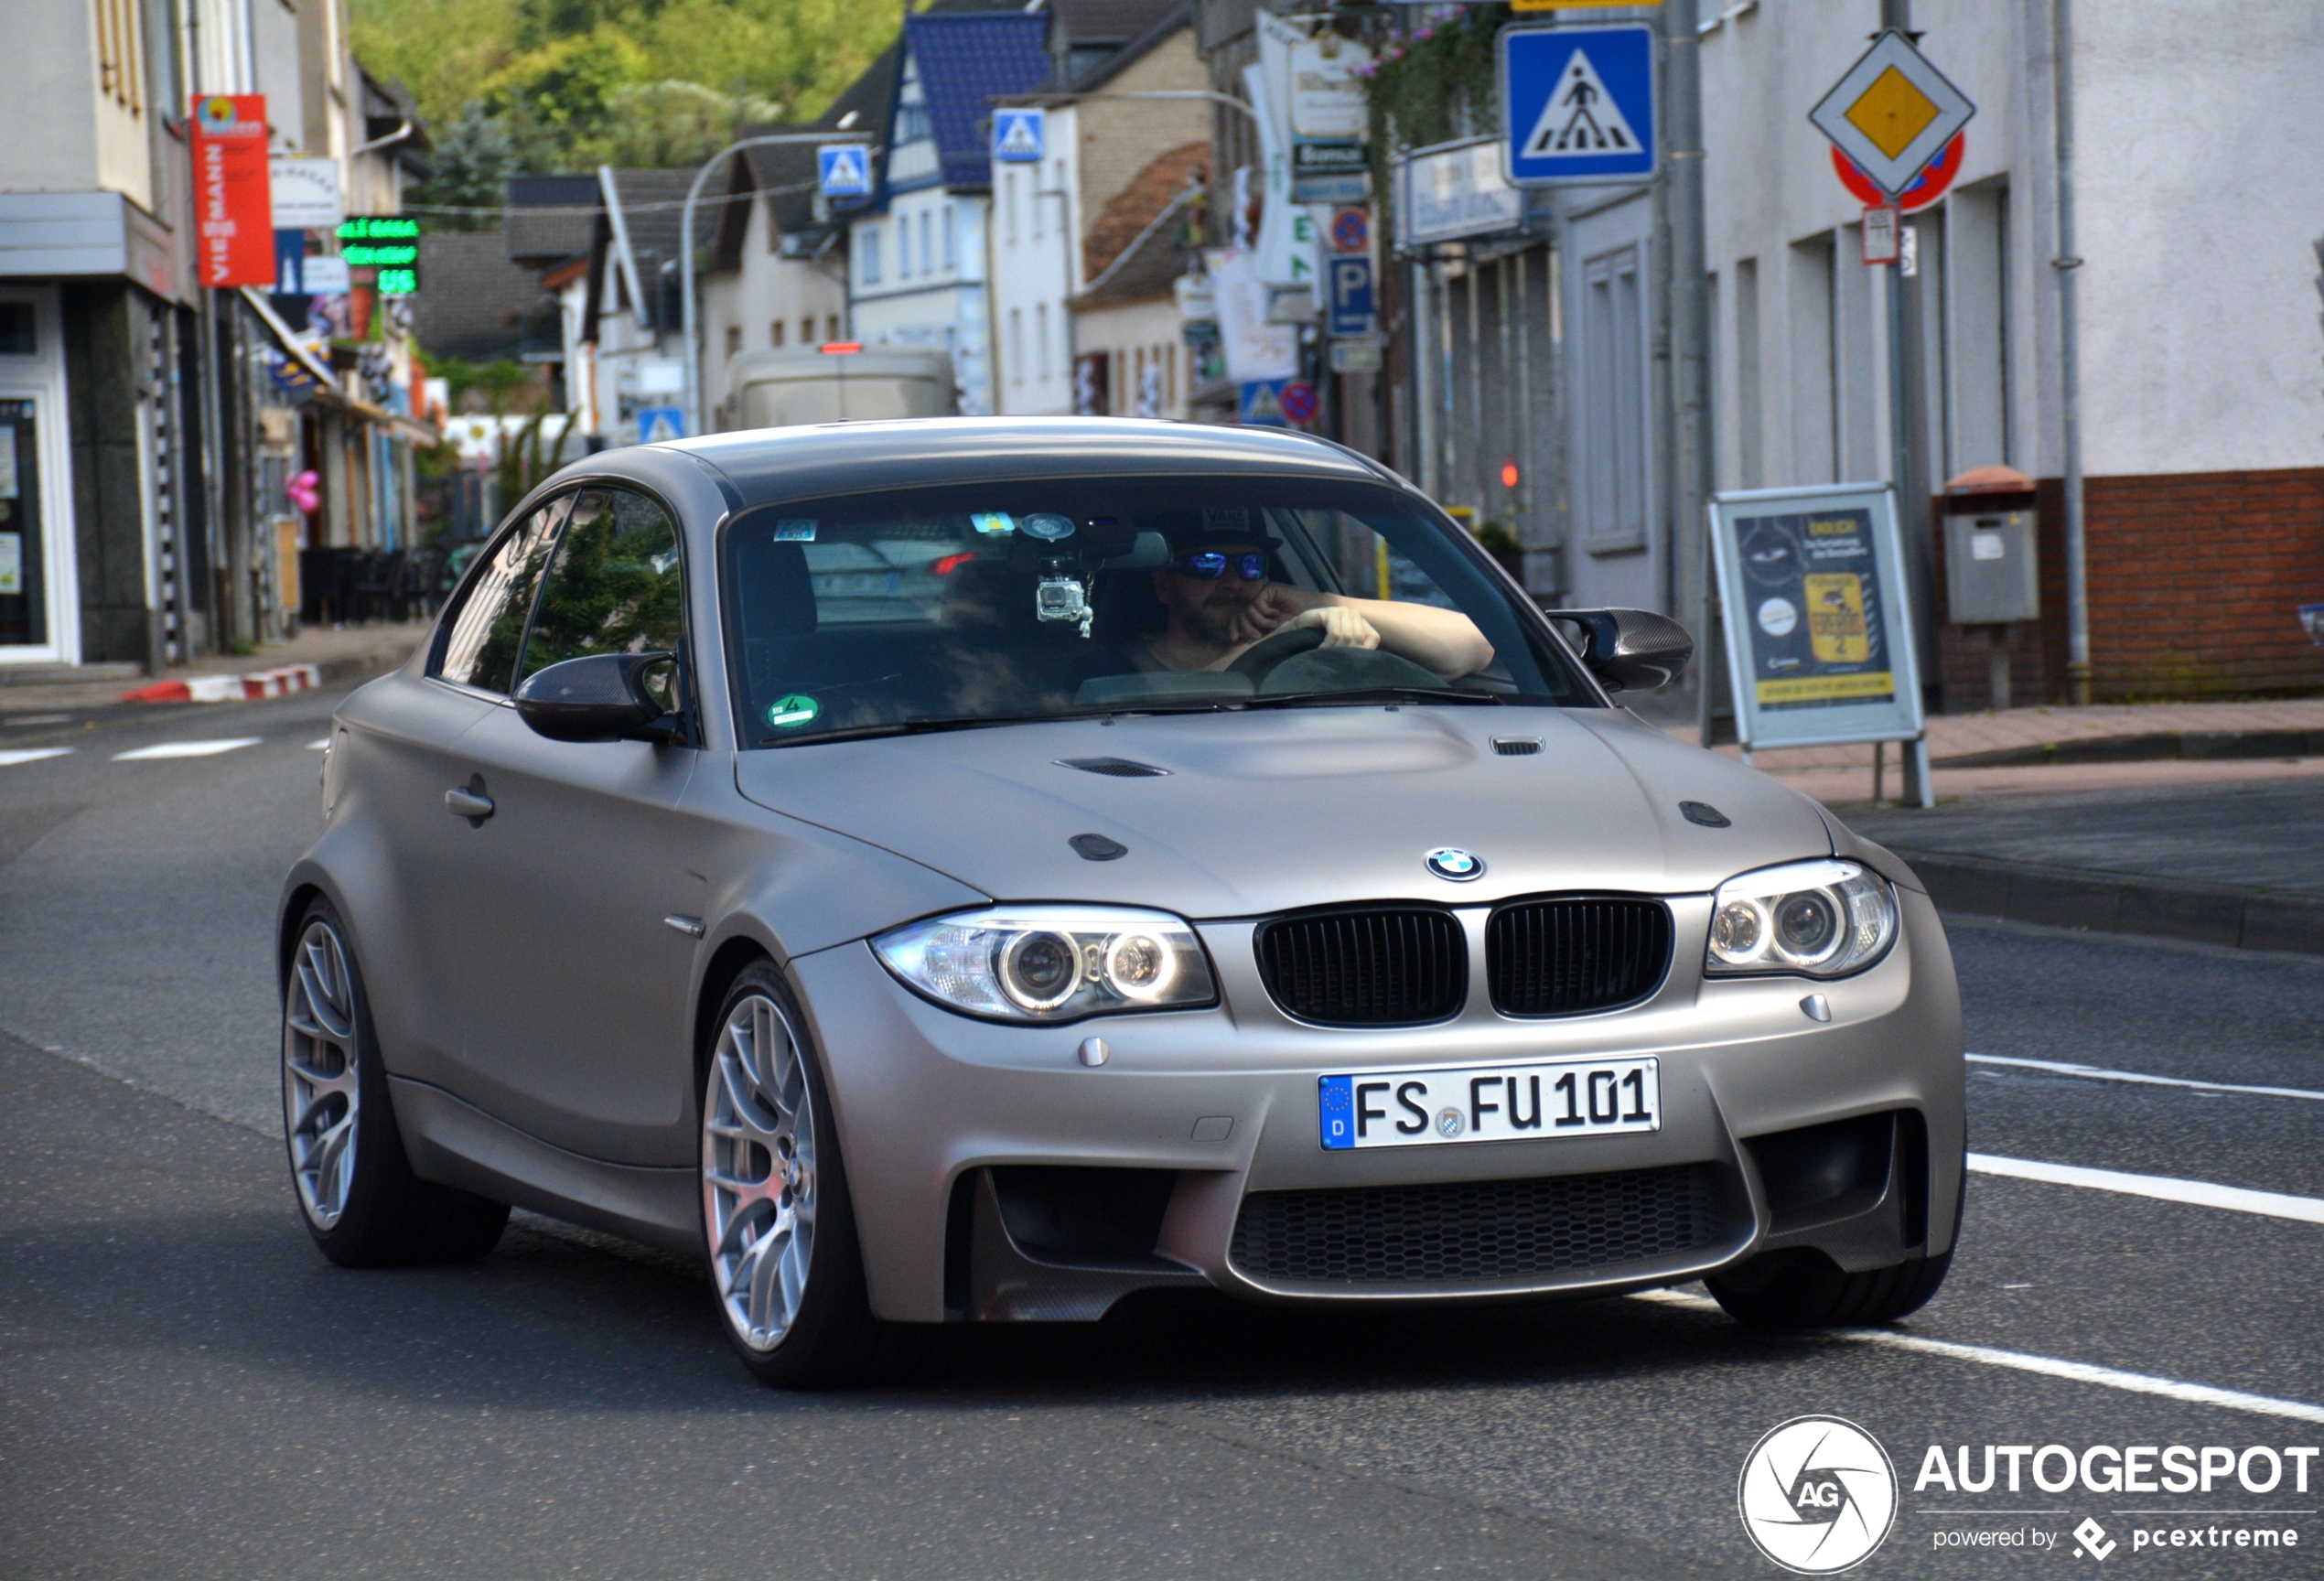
(1269, 651)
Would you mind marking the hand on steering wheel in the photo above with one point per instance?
(1342, 627)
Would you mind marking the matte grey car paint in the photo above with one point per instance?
(539, 1017)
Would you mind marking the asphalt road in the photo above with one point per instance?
(187, 1389)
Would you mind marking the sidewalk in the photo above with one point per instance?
(2201, 821)
(343, 655)
(2239, 864)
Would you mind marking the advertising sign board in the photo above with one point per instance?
(1819, 632)
(233, 194)
(1455, 190)
(305, 193)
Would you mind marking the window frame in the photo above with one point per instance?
(690, 696)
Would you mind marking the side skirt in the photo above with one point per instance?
(456, 1143)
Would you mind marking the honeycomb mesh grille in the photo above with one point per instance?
(1563, 957)
(1474, 1232)
(1376, 967)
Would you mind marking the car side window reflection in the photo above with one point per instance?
(613, 587)
(488, 626)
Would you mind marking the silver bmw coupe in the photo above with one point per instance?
(970, 871)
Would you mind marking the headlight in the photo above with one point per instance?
(1052, 962)
(1823, 918)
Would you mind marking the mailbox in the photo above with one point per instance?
(1992, 571)
(1992, 560)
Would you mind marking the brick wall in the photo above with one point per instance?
(2194, 578)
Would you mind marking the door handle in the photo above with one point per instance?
(473, 805)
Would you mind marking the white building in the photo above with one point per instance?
(775, 278)
(2202, 405)
(918, 256)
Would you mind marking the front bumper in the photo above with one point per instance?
(928, 1103)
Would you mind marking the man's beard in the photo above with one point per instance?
(1213, 620)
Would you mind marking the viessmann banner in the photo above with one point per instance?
(233, 190)
(1819, 631)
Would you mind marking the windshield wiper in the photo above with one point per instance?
(979, 722)
(1370, 694)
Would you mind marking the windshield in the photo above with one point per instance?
(936, 607)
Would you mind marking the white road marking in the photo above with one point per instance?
(322, 746)
(2100, 1073)
(2048, 1366)
(185, 750)
(30, 755)
(2164, 1188)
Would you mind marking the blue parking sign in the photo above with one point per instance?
(1019, 136)
(1351, 305)
(844, 169)
(1578, 105)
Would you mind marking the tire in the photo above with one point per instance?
(356, 1191)
(1774, 1292)
(779, 1227)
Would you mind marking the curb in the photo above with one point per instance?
(2234, 915)
(248, 687)
(2209, 745)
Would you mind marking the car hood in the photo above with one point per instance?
(1262, 810)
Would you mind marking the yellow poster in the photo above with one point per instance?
(1835, 617)
(1869, 687)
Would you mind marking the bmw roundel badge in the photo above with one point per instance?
(1451, 861)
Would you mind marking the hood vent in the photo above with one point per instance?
(1117, 767)
(1385, 966)
(1517, 745)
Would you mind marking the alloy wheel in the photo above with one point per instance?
(320, 1088)
(759, 1172)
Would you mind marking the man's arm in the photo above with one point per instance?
(1443, 642)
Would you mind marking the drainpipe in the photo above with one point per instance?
(2061, 88)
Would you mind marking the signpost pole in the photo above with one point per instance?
(1690, 319)
(1907, 429)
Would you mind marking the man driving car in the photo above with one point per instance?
(1219, 601)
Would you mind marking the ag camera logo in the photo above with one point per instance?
(1818, 1495)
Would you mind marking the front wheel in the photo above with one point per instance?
(356, 1190)
(784, 1263)
(1775, 1293)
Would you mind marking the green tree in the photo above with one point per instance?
(473, 161)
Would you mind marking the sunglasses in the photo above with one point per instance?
(1210, 565)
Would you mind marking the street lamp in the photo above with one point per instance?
(685, 251)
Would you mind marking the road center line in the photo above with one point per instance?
(2164, 1188)
(17, 755)
(2048, 1366)
(2099, 1073)
(162, 749)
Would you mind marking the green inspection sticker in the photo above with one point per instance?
(790, 713)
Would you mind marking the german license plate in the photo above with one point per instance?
(1532, 1100)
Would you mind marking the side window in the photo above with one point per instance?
(615, 585)
(488, 626)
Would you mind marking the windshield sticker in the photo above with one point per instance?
(791, 711)
(796, 531)
(1048, 528)
(996, 522)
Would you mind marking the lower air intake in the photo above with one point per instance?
(1475, 1231)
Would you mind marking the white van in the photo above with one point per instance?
(784, 389)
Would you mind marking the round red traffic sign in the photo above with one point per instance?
(1925, 189)
(1298, 402)
(1351, 231)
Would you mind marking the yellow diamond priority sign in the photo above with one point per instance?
(1892, 112)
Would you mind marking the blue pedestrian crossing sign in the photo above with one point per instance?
(1578, 105)
(1019, 136)
(844, 169)
(659, 424)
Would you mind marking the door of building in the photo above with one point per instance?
(24, 594)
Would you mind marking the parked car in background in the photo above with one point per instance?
(843, 383)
